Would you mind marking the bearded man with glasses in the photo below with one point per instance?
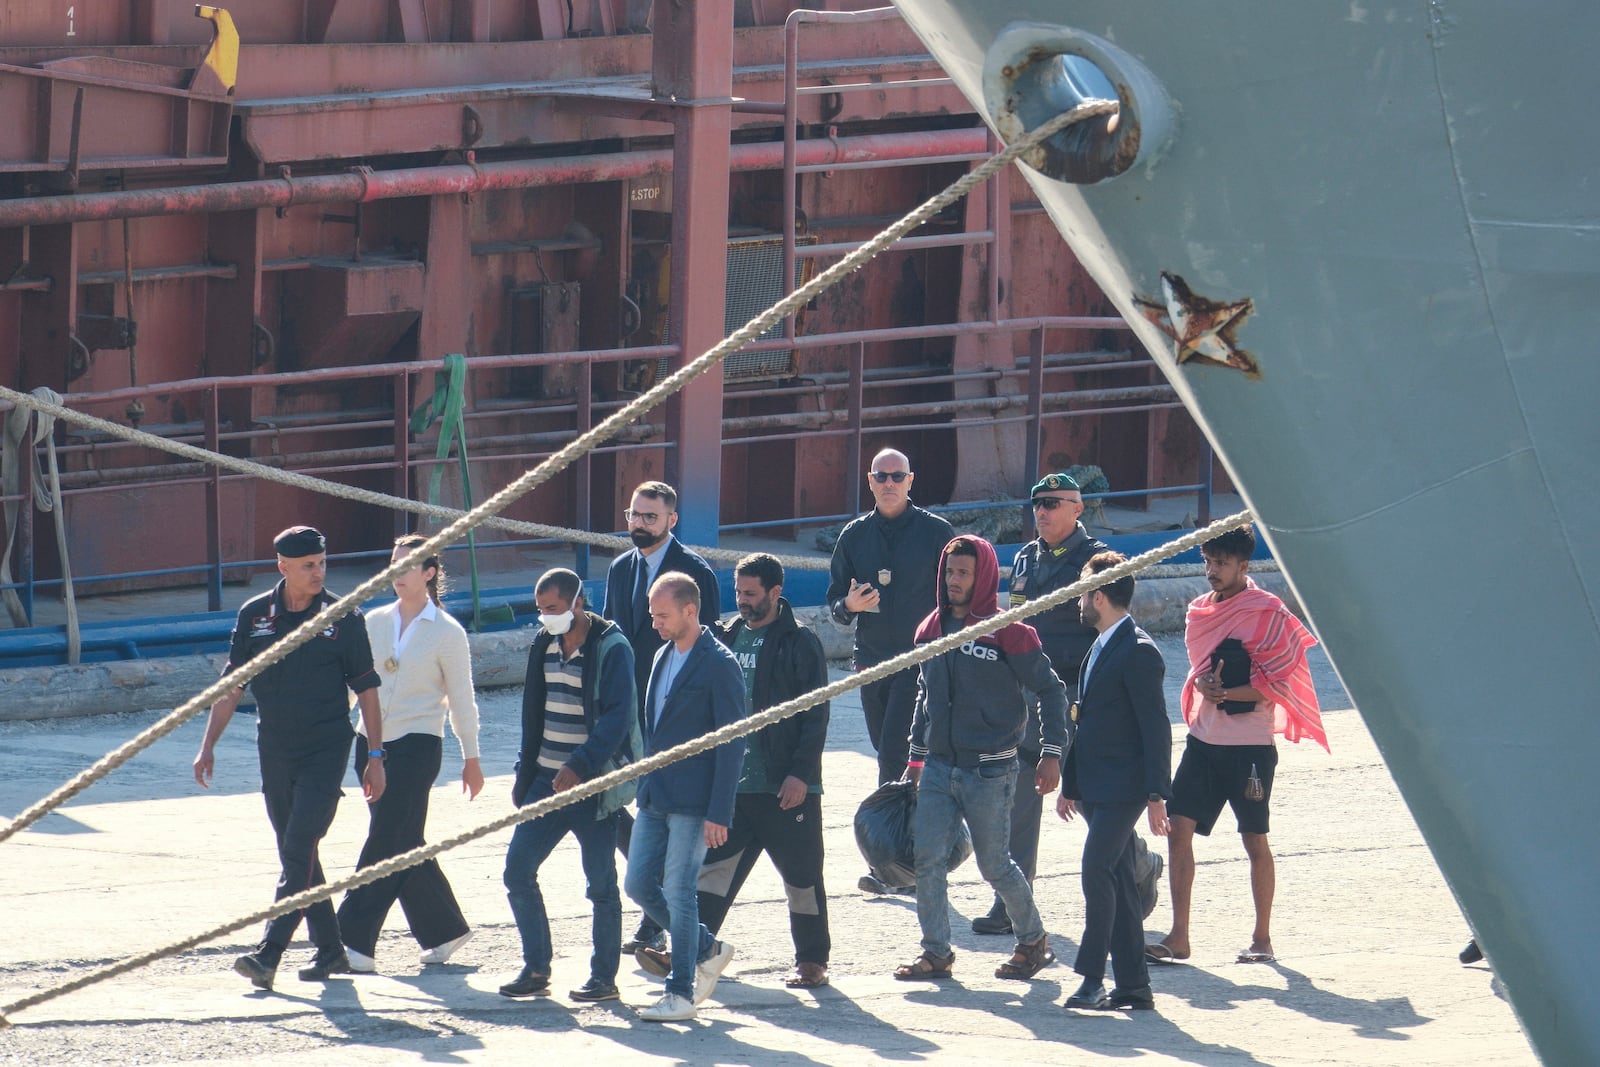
(650, 516)
(884, 578)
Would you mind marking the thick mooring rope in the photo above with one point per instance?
(339, 490)
(529, 480)
(610, 426)
(748, 725)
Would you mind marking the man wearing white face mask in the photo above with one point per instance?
(579, 720)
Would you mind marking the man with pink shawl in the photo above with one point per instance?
(1248, 682)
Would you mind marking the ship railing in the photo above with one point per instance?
(793, 91)
(91, 466)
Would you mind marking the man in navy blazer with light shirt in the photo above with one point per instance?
(1118, 768)
(651, 515)
(695, 687)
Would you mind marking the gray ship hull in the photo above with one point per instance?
(1406, 194)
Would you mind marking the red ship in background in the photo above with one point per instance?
(260, 229)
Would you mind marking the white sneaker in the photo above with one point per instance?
(671, 1008)
(360, 962)
(442, 953)
(710, 969)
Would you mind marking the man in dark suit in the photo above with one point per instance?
(651, 516)
(685, 807)
(1119, 767)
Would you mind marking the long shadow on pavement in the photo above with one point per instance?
(1209, 991)
(1105, 1033)
(828, 1012)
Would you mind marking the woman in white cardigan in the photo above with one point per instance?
(423, 660)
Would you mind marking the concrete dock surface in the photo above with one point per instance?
(1365, 930)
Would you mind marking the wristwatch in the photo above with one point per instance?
(376, 753)
(1155, 797)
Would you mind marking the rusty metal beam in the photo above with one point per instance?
(49, 317)
(160, 274)
(693, 64)
(446, 296)
(102, 113)
(367, 185)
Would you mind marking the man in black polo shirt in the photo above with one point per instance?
(303, 738)
(883, 577)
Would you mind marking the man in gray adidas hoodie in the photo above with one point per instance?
(970, 715)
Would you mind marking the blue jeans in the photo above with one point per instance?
(664, 860)
(531, 844)
(982, 796)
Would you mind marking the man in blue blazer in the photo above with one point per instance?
(650, 517)
(1118, 768)
(695, 686)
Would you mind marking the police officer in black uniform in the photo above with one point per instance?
(303, 738)
(1049, 562)
(884, 577)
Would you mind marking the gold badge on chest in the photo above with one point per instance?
(391, 664)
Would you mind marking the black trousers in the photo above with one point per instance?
(888, 704)
(1027, 805)
(302, 793)
(397, 824)
(1113, 920)
(793, 839)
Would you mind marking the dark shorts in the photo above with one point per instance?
(1210, 776)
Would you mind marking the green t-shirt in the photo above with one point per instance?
(747, 649)
(755, 777)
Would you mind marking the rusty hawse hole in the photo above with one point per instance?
(1044, 85)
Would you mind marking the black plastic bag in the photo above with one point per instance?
(1147, 867)
(884, 835)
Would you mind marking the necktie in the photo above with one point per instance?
(641, 598)
(1094, 654)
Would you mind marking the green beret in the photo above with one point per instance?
(1054, 482)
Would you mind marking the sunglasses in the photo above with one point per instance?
(883, 476)
(1050, 503)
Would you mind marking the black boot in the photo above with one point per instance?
(1091, 994)
(260, 966)
(530, 983)
(649, 935)
(329, 960)
(996, 922)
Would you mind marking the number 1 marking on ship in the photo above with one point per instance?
(72, 12)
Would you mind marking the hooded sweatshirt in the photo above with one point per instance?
(971, 706)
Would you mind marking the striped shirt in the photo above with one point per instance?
(564, 728)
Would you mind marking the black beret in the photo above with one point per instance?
(1055, 482)
(299, 541)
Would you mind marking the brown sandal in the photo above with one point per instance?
(925, 966)
(1027, 960)
(807, 976)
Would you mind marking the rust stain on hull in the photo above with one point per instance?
(1202, 330)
